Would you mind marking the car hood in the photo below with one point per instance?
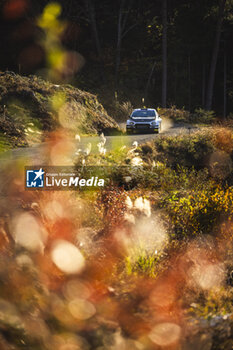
(138, 119)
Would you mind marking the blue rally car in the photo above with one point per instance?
(144, 119)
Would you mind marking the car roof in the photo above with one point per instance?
(144, 109)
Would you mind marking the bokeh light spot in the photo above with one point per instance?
(14, 9)
(67, 257)
(208, 276)
(81, 309)
(165, 334)
(28, 232)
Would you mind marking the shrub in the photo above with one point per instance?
(122, 110)
(4, 143)
(223, 139)
(199, 211)
(145, 263)
(181, 115)
(203, 116)
(112, 203)
(176, 114)
(185, 150)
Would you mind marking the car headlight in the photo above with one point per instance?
(131, 123)
(153, 123)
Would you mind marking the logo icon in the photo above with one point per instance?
(35, 178)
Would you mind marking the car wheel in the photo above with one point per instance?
(128, 132)
(159, 129)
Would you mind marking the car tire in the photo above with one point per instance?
(158, 130)
(128, 132)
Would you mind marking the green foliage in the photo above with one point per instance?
(195, 203)
(4, 143)
(213, 304)
(144, 263)
(121, 110)
(199, 116)
(203, 116)
(175, 114)
(186, 150)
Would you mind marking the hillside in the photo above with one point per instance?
(30, 106)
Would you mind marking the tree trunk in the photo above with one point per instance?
(210, 89)
(189, 82)
(164, 54)
(175, 81)
(118, 47)
(122, 30)
(119, 39)
(225, 84)
(91, 14)
(203, 84)
(94, 28)
(149, 79)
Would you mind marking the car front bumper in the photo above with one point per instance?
(142, 127)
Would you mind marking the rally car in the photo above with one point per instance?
(144, 119)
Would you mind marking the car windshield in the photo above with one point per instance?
(144, 113)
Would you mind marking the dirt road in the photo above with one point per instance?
(34, 153)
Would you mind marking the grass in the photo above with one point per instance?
(143, 263)
(4, 143)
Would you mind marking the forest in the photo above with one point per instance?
(159, 53)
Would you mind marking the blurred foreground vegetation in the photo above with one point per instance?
(145, 263)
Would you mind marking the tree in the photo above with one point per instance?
(210, 88)
(164, 54)
(91, 15)
(122, 29)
